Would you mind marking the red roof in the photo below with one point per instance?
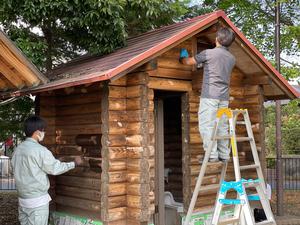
(141, 49)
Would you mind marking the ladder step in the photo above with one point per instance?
(229, 221)
(247, 167)
(240, 139)
(265, 222)
(238, 110)
(240, 122)
(223, 137)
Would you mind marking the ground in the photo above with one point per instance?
(9, 210)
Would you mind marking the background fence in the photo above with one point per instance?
(291, 172)
(291, 183)
(7, 181)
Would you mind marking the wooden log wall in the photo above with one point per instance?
(140, 148)
(113, 179)
(74, 129)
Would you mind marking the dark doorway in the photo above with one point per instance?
(168, 125)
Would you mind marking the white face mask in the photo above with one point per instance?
(41, 136)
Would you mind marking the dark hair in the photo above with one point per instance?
(225, 36)
(32, 124)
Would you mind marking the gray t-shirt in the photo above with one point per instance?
(218, 64)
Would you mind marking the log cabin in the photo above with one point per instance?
(132, 115)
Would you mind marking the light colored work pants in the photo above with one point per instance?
(207, 116)
(34, 216)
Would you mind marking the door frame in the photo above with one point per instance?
(159, 162)
(159, 218)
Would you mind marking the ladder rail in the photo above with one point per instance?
(242, 211)
(254, 151)
(201, 175)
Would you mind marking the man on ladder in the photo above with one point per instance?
(218, 64)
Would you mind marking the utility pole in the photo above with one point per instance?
(279, 175)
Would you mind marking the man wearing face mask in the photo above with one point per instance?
(31, 163)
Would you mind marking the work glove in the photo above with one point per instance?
(183, 53)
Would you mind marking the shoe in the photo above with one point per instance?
(213, 160)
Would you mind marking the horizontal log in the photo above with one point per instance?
(117, 176)
(139, 152)
(79, 212)
(135, 201)
(91, 162)
(169, 84)
(138, 164)
(116, 140)
(172, 73)
(50, 121)
(257, 80)
(195, 138)
(117, 104)
(134, 140)
(117, 127)
(83, 119)
(136, 104)
(79, 99)
(117, 213)
(193, 107)
(136, 91)
(172, 63)
(117, 189)
(82, 182)
(135, 177)
(139, 128)
(78, 192)
(117, 116)
(78, 109)
(78, 203)
(207, 179)
(117, 92)
(85, 172)
(79, 129)
(119, 82)
(118, 222)
(117, 165)
(137, 189)
(151, 65)
(251, 90)
(69, 150)
(117, 201)
(88, 140)
(137, 78)
(117, 153)
(49, 111)
(82, 89)
(212, 168)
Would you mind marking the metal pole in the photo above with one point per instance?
(279, 184)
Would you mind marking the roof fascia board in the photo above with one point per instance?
(16, 51)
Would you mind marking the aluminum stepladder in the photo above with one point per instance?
(232, 116)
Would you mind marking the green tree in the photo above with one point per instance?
(290, 128)
(50, 32)
(255, 18)
(12, 117)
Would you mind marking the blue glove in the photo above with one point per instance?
(183, 53)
